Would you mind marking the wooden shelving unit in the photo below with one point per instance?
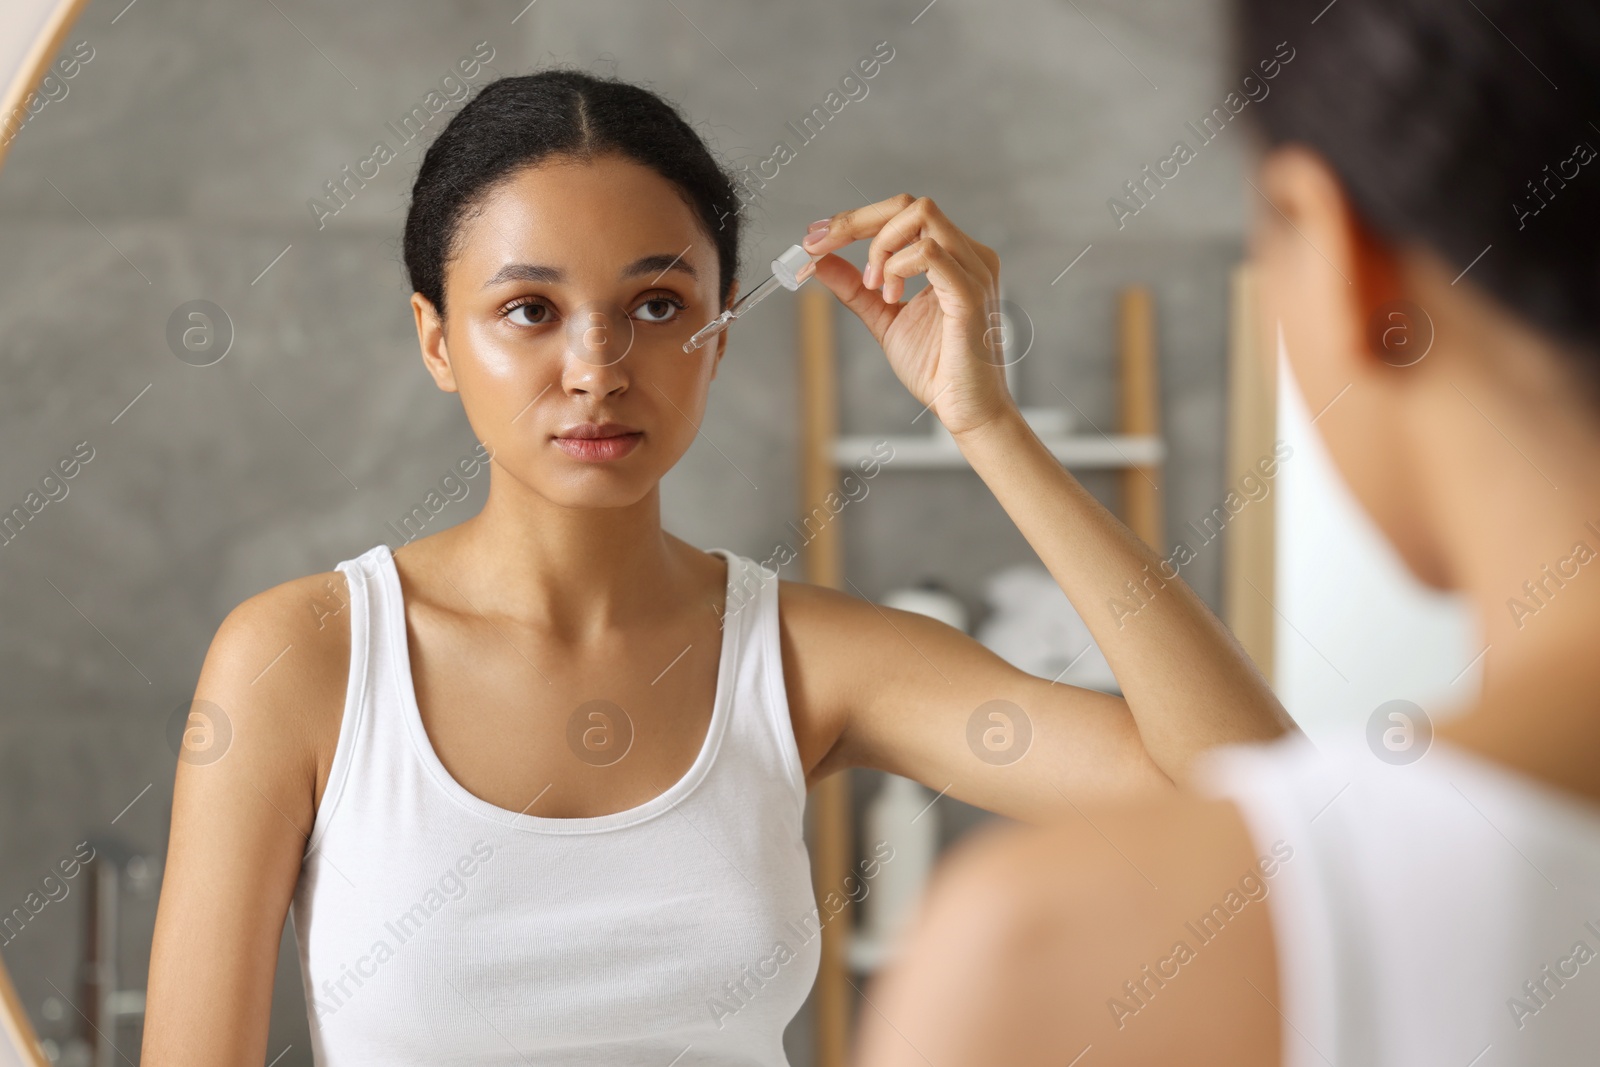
(1249, 567)
(1137, 450)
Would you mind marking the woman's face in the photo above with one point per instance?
(572, 293)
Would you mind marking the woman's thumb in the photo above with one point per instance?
(843, 279)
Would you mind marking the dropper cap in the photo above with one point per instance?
(786, 266)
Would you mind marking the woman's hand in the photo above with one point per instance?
(944, 343)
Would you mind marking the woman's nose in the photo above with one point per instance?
(598, 340)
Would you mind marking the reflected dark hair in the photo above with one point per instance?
(1447, 132)
(521, 121)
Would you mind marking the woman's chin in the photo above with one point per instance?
(598, 487)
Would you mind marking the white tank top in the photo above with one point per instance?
(1443, 912)
(435, 927)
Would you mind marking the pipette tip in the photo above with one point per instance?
(708, 331)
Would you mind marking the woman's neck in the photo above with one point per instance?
(573, 571)
(1514, 497)
(1541, 716)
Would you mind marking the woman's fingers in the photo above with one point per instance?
(849, 226)
(894, 224)
(957, 291)
(937, 342)
(844, 281)
(921, 219)
(909, 236)
(906, 226)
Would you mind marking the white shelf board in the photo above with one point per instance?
(928, 451)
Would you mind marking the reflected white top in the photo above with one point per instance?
(1444, 912)
(436, 927)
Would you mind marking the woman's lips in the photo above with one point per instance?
(599, 449)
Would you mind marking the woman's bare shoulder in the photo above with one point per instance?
(828, 640)
(824, 615)
(278, 669)
(301, 624)
(1034, 941)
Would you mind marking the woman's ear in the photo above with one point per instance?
(1396, 329)
(1333, 281)
(430, 335)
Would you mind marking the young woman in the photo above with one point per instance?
(1386, 902)
(533, 785)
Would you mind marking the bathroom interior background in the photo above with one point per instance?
(182, 165)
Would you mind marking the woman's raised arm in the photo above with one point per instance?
(1187, 683)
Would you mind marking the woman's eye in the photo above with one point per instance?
(659, 309)
(537, 314)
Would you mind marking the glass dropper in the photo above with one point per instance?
(784, 269)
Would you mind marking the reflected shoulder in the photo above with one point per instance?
(1034, 942)
(278, 667)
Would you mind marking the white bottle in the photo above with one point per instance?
(902, 815)
(932, 599)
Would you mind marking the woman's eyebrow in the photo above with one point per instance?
(657, 264)
(526, 272)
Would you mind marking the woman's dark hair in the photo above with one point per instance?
(517, 122)
(1456, 124)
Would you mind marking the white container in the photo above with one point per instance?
(903, 814)
(929, 599)
(900, 814)
(1048, 423)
